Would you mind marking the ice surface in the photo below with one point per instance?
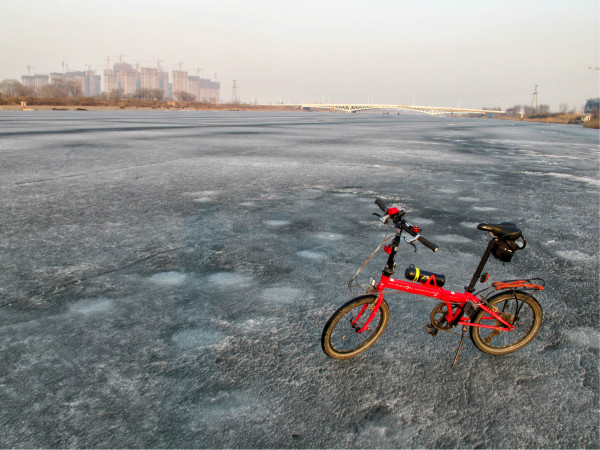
(169, 278)
(311, 255)
(197, 337)
(91, 306)
(165, 278)
(276, 223)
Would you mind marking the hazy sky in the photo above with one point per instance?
(438, 52)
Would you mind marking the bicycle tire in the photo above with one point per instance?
(340, 338)
(518, 308)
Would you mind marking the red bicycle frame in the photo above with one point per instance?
(448, 297)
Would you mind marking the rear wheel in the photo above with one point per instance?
(517, 308)
(341, 338)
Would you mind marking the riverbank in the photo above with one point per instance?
(133, 107)
(557, 118)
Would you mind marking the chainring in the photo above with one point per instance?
(438, 317)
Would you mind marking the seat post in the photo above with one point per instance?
(481, 265)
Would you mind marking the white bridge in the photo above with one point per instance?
(432, 110)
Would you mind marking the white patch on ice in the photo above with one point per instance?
(574, 255)
(91, 306)
(197, 337)
(201, 196)
(484, 208)
(252, 323)
(311, 255)
(468, 199)
(584, 337)
(330, 236)
(222, 279)
(420, 221)
(447, 191)
(452, 238)
(232, 404)
(281, 293)
(247, 204)
(590, 181)
(470, 225)
(276, 223)
(168, 278)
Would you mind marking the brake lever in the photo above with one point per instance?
(411, 242)
(383, 219)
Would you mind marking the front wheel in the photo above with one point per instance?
(517, 308)
(342, 339)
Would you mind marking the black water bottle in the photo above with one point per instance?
(413, 273)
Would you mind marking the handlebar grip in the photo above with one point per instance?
(429, 244)
(381, 204)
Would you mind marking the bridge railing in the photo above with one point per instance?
(431, 110)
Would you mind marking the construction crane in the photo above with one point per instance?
(29, 70)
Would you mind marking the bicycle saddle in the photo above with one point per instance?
(506, 230)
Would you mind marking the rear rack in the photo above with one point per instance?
(530, 284)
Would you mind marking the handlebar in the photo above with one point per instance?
(396, 215)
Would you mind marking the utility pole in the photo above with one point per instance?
(534, 99)
(234, 94)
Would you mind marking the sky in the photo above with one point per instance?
(458, 53)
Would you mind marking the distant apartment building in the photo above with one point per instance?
(180, 83)
(127, 79)
(35, 82)
(194, 87)
(204, 90)
(111, 80)
(93, 84)
(122, 77)
(154, 78)
(88, 81)
(149, 78)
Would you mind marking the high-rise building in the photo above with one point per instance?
(35, 82)
(124, 78)
(111, 80)
(163, 83)
(194, 87)
(149, 78)
(204, 89)
(180, 83)
(128, 78)
(92, 84)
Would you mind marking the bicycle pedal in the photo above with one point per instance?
(431, 329)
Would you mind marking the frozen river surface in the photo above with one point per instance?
(165, 278)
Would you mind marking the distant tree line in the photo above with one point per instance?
(62, 89)
(541, 110)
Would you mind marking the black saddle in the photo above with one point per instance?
(506, 230)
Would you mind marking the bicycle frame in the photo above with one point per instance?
(429, 289)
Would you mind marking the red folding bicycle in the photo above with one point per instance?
(501, 318)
